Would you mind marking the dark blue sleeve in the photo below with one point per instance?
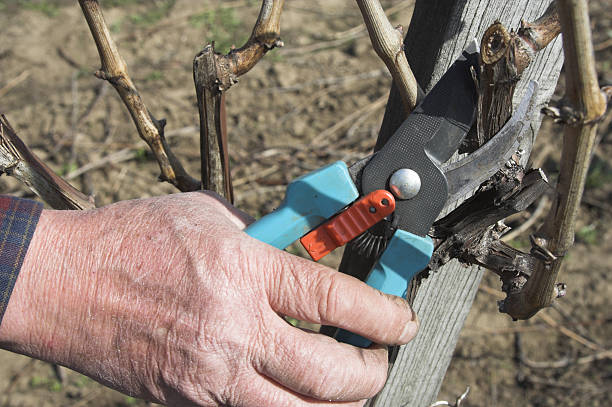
(18, 219)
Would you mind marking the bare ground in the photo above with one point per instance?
(285, 118)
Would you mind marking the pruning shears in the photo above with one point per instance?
(404, 185)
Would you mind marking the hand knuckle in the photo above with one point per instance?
(330, 297)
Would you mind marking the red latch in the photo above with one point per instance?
(349, 224)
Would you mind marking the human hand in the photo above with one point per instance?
(168, 300)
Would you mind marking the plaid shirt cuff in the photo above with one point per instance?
(18, 219)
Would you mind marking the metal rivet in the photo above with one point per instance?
(405, 183)
(372, 209)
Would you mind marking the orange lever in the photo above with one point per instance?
(349, 224)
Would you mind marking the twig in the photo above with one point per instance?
(350, 133)
(18, 160)
(569, 333)
(475, 331)
(59, 372)
(68, 59)
(565, 362)
(14, 380)
(118, 181)
(319, 45)
(557, 234)
(330, 81)
(604, 206)
(172, 21)
(74, 115)
(254, 176)
(567, 316)
(328, 88)
(85, 400)
(262, 190)
(14, 82)
(114, 70)
(551, 383)
(113, 158)
(100, 93)
(213, 75)
(340, 38)
(603, 45)
(388, 43)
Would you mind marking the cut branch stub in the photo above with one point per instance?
(114, 70)
(213, 134)
(17, 160)
(471, 233)
(505, 56)
(214, 74)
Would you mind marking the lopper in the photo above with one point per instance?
(404, 186)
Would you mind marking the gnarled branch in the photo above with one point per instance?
(557, 234)
(151, 130)
(471, 233)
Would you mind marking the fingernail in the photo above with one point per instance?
(410, 329)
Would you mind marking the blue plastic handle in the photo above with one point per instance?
(309, 201)
(317, 196)
(405, 256)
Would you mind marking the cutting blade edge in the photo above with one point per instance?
(465, 175)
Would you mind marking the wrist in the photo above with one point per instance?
(79, 300)
(40, 318)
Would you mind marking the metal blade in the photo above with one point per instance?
(431, 133)
(452, 107)
(465, 175)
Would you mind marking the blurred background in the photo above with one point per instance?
(318, 99)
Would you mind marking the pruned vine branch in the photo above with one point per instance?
(587, 100)
(17, 160)
(114, 70)
(214, 74)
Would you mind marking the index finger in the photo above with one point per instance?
(307, 291)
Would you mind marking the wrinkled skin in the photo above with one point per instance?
(169, 300)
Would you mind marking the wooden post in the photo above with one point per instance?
(440, 29)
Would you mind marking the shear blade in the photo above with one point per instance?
(451, 107)
(465, 175)
(428, 137)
